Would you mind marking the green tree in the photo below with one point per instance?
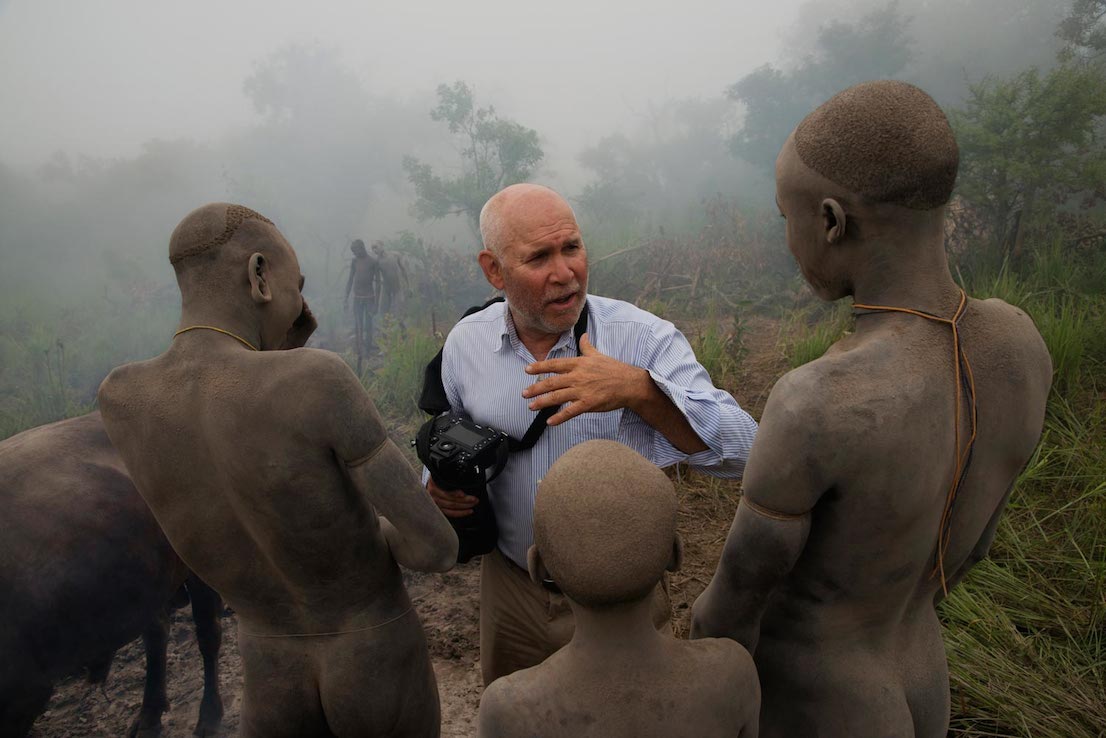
(1031, 158)
(495, 152)
(876, 46)
(1083, 30)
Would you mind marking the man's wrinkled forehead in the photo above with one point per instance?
(540, 214)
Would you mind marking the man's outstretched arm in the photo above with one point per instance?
(783, 482)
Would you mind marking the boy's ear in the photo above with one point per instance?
(834, 220)
(677, 559)
(259, 279)
(536, 567)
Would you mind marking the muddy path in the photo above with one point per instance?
(448, 605)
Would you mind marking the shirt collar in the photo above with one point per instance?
(509, 335)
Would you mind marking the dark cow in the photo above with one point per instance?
(85, 569)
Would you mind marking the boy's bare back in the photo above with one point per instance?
(605, 532)
(270, 471)
(854, 519)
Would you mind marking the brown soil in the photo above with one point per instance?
(448, 605)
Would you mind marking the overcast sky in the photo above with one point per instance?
(100, 77)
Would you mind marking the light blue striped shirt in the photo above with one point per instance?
(483, 370)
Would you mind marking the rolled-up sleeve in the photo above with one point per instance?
(713, 414)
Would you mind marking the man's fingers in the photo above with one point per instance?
(568, 412)
(586, 349)
(456, 513)
(548, 384)
(457, 501)
(552, 366)
(549, 399)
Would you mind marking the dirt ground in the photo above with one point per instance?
(448, 605)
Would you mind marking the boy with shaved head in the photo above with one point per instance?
(273, 477)
(605, 532)
(882, 468)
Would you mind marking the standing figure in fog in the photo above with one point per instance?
(392, 271)
(605, 532)
(882, 468)
(273, 477)
(364, 283)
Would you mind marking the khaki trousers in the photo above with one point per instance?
(522, 623)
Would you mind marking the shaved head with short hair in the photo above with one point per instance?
(497, 216)
(605, 523)
(207, 227)
(887, 141)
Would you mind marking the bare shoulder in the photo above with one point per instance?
(727, 658)
(798, 406)
(733, 675)
(501, 704)
(1013, 335)
(328, 401)
(315, 376)
(124, 386)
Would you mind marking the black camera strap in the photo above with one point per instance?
(433, 400)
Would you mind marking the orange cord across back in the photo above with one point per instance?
(963, 457)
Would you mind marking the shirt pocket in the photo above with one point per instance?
(590, 426)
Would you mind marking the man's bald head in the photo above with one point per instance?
(886, 141)
(508, 211)
(207, 228)
(605, 523)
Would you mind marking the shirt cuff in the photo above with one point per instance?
(721, 424)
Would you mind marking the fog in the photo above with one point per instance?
(120, 116)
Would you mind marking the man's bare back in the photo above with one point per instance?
(839, 549)
(874, 418)
(272, 474)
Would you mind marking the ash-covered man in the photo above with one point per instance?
(635, 380)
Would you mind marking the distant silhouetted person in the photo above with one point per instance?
(604, 532)
(273, 477)
(392, 271)
(882, 468)
(364, 283)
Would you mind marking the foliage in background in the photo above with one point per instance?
(659, 175)
(396, 385)
(1025, 629)
(495, 152)
(738, 256)
(53, 360)
(808, 331)
(1032, 162)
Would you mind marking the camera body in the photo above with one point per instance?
(464, 455)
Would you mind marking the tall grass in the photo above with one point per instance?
(808, 332)
(719, 346)
(396, 385)
(1026, 630)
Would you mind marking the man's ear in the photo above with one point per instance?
(536, 567)
(259, 279)
(493, 269)
(833, 220)
(677, 559)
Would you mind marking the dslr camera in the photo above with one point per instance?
(464, 455)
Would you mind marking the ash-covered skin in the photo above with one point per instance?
(272, 476)
(828, 577)
(605, 532)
